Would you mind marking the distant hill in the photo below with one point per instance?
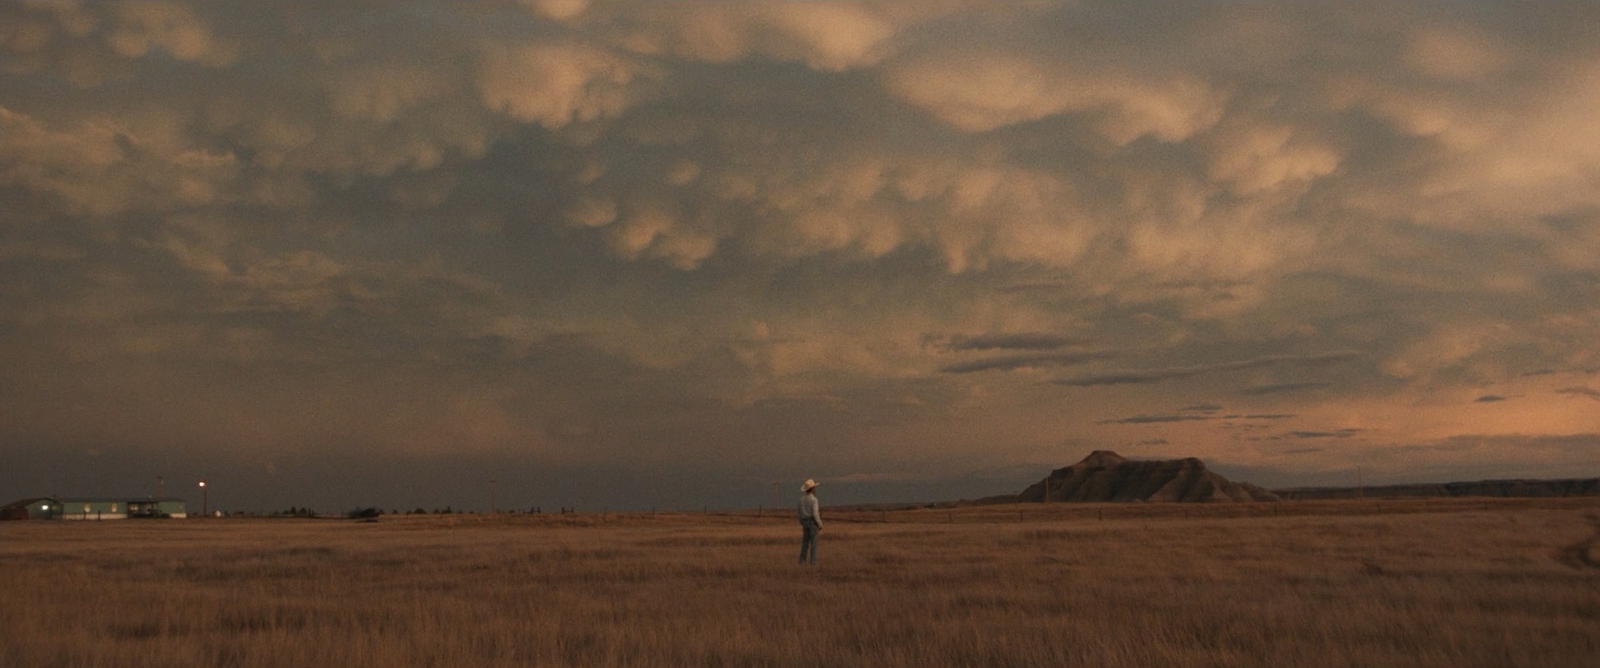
(1105, 476)
(1502, 488)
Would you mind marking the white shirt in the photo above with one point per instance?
(810, 510)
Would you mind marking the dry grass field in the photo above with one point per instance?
(1392, 583)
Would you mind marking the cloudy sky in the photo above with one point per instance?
(667, 254)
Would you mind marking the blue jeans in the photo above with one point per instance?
(808, 542)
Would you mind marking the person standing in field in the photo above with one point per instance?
(810, 514)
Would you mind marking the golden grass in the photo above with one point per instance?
(1418, 583)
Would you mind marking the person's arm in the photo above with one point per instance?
(816, 511)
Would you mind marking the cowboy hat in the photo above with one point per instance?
(809, 485)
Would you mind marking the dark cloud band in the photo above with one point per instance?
(1170, 373)
(1020, 341)
(1009, 362)
(1282, 388)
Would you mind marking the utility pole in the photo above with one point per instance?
(205, 500)
(491, 497)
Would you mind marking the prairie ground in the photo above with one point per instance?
(1371, 583)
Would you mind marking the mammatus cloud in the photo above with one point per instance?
(556, 85)
(985, 90)
(656, 235)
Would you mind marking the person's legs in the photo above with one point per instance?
(814, 532)
(808, 544)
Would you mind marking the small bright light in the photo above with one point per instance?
(202, 483)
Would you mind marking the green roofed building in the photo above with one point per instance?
(80, 508)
